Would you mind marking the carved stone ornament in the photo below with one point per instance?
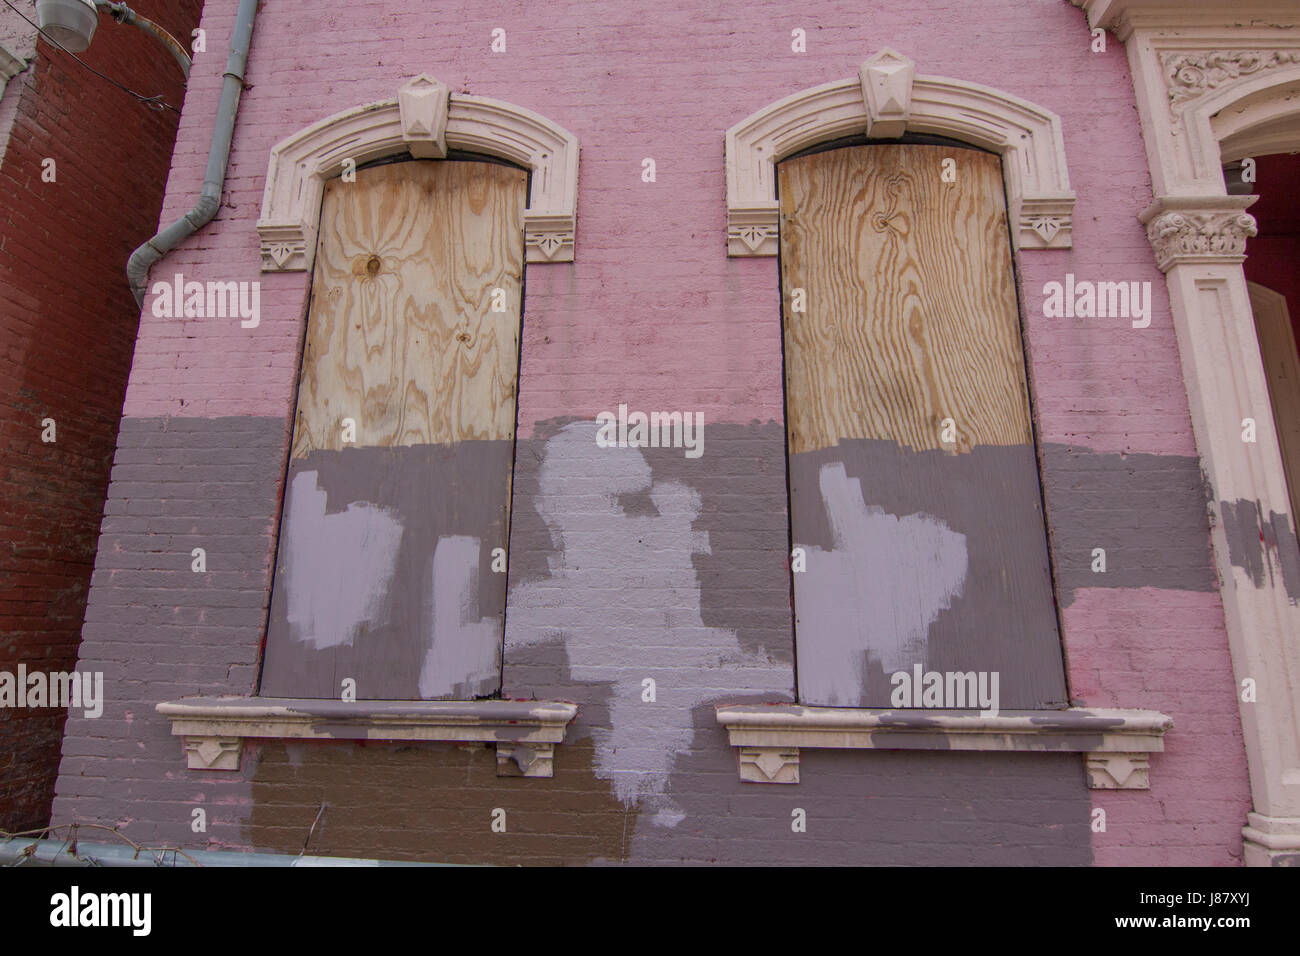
(886, 79)
(887, 99)
(525, 733)
(1202, 233)
(424, 120)
(1190, 75)
(422, 108)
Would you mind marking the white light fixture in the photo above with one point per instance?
(70, 22)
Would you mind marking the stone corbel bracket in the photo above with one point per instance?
(1117, 743)
(886, 100)
(213, 729)
(425, 120)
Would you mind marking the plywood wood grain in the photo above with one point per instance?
(911, 312)
(384, 574)
(401, 335)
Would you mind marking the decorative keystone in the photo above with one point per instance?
(422, 104)
(886, 80)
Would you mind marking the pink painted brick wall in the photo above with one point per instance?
(652, 310)
(654, 314)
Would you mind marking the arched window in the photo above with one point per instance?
(416, 216)
(916, 511)
(396, 511)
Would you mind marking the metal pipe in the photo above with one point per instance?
(55, 852)
(124, 14)
(223, 131)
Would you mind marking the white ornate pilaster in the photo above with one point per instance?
(1215, 82)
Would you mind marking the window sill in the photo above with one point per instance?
(525, 731)
(767, 737)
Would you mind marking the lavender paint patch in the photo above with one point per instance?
(869, 599)
(337, 567)
(922, 558)
(429, 626)
(631, 610)
(463, 646)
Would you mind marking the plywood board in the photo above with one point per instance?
(908, 286)
(402, 337)
(919, 551)
(385, 574)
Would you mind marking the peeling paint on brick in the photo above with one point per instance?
(1262, 547)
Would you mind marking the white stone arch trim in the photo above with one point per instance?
(885, 100)
(1233, 109)
(426, 120)
(1260, 123)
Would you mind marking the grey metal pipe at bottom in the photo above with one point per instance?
(30, 852)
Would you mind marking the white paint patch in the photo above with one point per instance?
(625, 598)
(339, 566)
(463, 646)
(874, 594)
(668, 817)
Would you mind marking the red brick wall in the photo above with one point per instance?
(68, 324)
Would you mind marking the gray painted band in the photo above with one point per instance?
(384, 573)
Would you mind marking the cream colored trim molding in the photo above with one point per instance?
(1183, 231)
(10, 65)
(426, 120)
(885, 100)
(768, 737)
(525, 732)
(1214, 82)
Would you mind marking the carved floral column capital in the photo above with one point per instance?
(1201, 229)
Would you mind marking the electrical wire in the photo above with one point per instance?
(153, 102)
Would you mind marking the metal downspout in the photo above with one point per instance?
(223, 130)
